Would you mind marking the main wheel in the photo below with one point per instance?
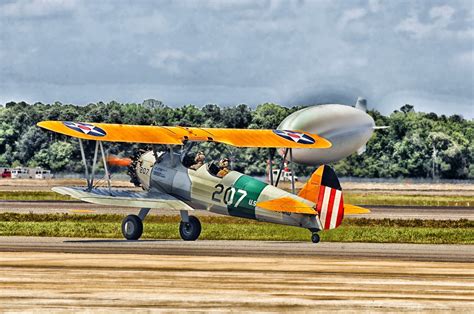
(132, 227)
(315, 237)
(190, 231)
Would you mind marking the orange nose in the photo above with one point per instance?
(116, 161)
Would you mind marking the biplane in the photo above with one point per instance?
(171, 179)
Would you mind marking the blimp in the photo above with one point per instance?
(347, 128)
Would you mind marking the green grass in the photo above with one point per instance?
(227, 228)
(349, 197)
(408, 200)
(33, 196)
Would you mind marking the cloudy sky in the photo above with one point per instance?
(240, 51)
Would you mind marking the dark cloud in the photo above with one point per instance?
(234, 51)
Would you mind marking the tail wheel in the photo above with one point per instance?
(190, 231)
(132, 227)
(315, 238)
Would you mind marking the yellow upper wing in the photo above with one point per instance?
(178, 135)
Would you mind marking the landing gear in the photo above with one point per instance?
(190, 230)
(132, 227)
(315, 237)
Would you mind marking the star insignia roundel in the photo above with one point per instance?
(294, 136)
(85, 128)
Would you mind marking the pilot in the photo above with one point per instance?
(223, 167)
(199, 161)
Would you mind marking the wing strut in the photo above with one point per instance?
(282, 165)
(84, 160)
(90, 176)
(107, 173)
(271, 152)
(292, 172)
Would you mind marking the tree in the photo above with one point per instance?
(268, 116)
(57, 157)
(238, 117)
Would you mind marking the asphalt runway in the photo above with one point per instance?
(400, 251)
(378, 212)
(50, 274)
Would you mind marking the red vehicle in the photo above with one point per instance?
(6, 173)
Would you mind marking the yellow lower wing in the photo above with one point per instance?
(287, 205)
(175, 135)
(290, 205)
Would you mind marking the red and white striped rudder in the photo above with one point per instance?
(330, 205)
(324, 189)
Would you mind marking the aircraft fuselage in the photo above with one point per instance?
(235, 194)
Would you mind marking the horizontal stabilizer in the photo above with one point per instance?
(124, 198)
(381, 127)
(287, 205)
(361, 104)
(354, 210)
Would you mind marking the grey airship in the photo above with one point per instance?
(347, 128)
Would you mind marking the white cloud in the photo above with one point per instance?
(351, 15)
(147, 24)
(442, 13)
(465, 58)
(36, 8)
(255, 51)
(467, 34)
(440, 18)
(374, 6)
(414, 27)
(341, 65)
(173, 60)
(220, 5)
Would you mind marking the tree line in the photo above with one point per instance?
(416, 144)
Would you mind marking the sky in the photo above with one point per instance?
(240, 51)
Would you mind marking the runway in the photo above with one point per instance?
(377, 212)
(398, 251)
(232, 276)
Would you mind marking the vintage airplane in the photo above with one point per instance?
(169, 179)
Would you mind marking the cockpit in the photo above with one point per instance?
(195, 161)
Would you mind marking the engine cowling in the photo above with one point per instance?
(141, 167)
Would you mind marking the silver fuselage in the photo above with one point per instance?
(235, 194)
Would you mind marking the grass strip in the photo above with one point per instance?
(227, 228)
(349, 197)
(33, 196)
(160, 219)
(409, 200)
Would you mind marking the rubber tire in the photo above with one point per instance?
(135, 224)
(190, 231)
(315, 238)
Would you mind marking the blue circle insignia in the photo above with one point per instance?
(294, 136)
(85, 128)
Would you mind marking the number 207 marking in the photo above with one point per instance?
(229, 195)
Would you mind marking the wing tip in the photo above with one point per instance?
(350, 209)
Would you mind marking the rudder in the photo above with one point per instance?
(324, 189)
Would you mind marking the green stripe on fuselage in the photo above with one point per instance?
(243, 198)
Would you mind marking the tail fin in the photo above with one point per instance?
(361, 104)
(324, 189)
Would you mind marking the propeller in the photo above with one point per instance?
(118, 161)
